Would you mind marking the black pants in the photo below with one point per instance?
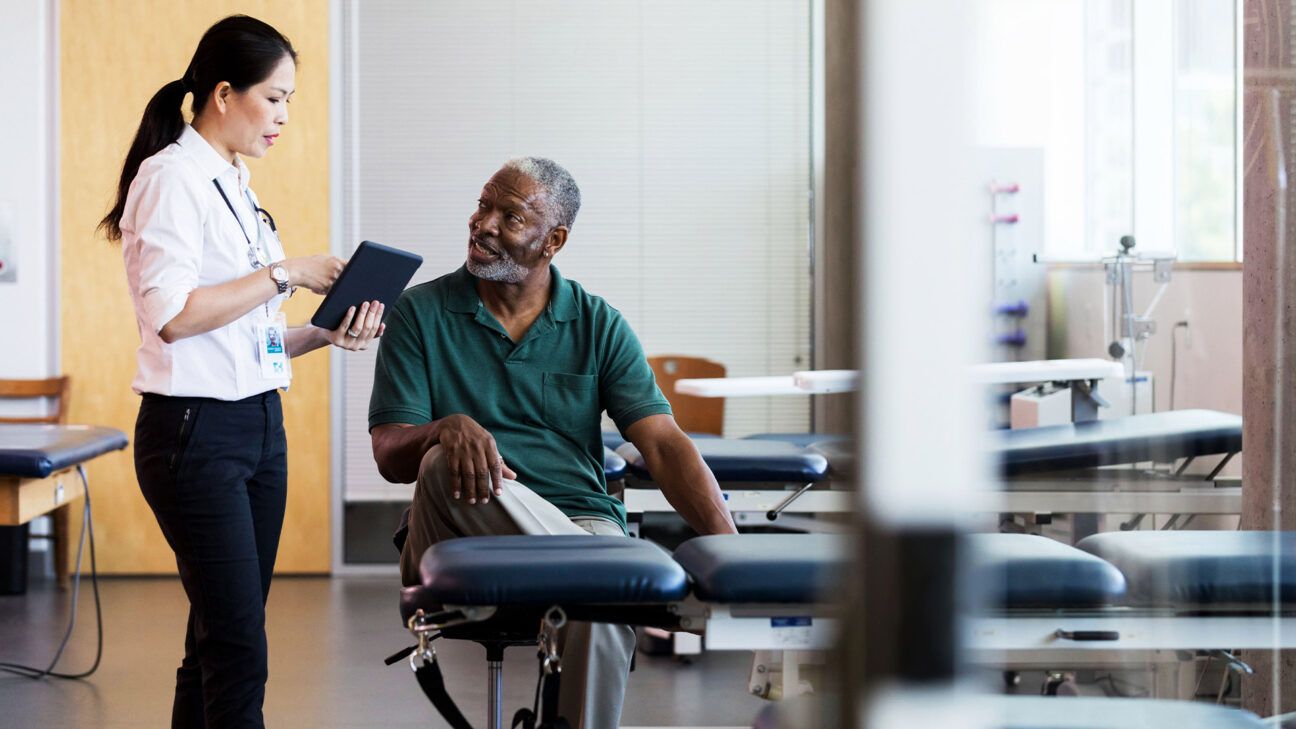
(215, 474)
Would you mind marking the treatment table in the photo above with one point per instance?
(760, 480)
(1135, 598)
(1118, 599)
(36, 462)
(1132, 465)
(36, 477)
(1091, 467)
(36, 465)
(497, 590)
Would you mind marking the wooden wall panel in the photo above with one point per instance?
(114, 57)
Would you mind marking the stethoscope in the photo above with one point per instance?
(256, 255)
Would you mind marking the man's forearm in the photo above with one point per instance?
(398, 450)
(689, 485)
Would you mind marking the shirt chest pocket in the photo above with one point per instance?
(571, 402)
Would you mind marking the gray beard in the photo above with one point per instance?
(504, 270)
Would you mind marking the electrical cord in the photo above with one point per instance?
(87, 528)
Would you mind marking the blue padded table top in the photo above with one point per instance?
(614, 466)
(802, 439)
(732, 459)
(1197, 569)
(1028, 571)
(36, 451)
(1160, 437)
(612, 439)
(550, 570)
(762, 568)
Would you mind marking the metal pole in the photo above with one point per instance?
(495, 702)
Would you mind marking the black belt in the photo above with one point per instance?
(259, 398)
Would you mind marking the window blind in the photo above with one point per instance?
(686, 125)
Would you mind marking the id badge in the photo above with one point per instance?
(272, 347)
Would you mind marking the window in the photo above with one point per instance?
(1133, 105)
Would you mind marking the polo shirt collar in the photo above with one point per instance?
(209, 161)
(562, 302)
(462, 296)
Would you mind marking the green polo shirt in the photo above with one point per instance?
(541, 398)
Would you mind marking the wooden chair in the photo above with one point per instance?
(58, 389)
(694, 414)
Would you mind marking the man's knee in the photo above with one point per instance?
(434, 473)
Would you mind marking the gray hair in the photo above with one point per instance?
(560, 190)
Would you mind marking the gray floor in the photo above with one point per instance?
(327, 641)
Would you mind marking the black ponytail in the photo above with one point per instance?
(240, 50)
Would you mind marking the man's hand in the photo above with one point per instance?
(476, 467)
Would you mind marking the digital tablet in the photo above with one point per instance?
(375, 273)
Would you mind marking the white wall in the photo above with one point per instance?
(28, 187)
(1209, 369)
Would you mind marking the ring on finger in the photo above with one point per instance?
(352, 333)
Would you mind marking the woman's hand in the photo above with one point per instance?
(476, 467)
(316, 273)
(359, 328)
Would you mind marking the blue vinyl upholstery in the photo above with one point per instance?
(1190, 569)
(762, 568)
(802, 439)
(1028, 571)
(1160, 437)
(36, 451)
(550, 570)
(736, 460)
(612, 439)
(614, 466)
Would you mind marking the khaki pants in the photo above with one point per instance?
(596, 656)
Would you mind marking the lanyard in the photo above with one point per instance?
(255, 251)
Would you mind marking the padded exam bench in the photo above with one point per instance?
(37, 451)
(1160, 437)
(602, 576)
(1025, 571)
(614, 466)
(1219, 570)
(498, 588)
(1170, 569)
(1184, 571)
(748, 461)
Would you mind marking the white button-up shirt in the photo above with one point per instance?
(178, 235)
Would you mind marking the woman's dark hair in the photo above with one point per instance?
(241, 50)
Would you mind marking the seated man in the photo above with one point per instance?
(488, 391)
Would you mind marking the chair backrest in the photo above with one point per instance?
(54, 387)
(694, 414)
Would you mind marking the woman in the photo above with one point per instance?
(207, 275)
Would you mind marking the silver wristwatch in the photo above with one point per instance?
(279, 275)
